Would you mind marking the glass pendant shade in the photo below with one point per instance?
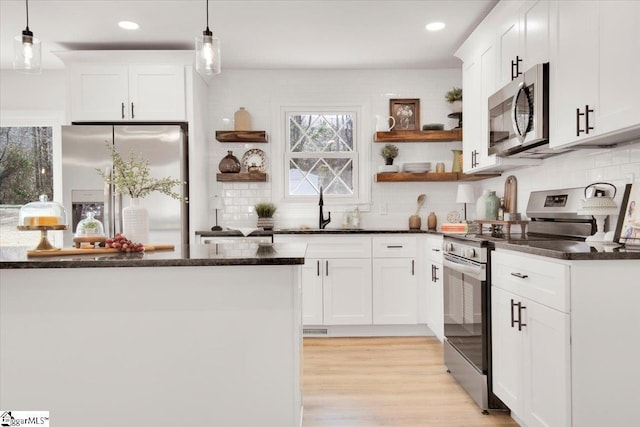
(207, 55)
(27, 54)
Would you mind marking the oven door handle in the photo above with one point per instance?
(474, 271)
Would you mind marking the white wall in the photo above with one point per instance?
(46, 91)
(258, 90)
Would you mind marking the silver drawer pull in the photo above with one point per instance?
(435, 250)
(519, 275)
(394, 246)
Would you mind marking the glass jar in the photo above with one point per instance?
(90, 227)
(492, 205)
(42, 213)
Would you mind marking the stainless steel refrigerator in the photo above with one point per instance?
(85, 149)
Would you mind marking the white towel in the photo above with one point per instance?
(245, 230)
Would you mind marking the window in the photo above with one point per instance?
(321, 152)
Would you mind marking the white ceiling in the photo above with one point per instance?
(318, 34)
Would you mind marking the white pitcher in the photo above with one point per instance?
(382, 123)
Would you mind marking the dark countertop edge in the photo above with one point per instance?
(258, 233)
(71, 263)
(570, 256)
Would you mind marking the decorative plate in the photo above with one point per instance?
(453, 217)
(254, 158)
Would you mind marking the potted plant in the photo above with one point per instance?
(454, 97)
(265, 211)
(389, 152)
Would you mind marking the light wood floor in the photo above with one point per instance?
(399, 382)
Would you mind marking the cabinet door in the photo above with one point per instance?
(312, 292)
(471, 108)
(347, 291)
(435, 297)
(98, 93)
(506, 350)
(618, 104)
(535, 26)
(547, 399)
(508, 50)
(395, 297)
(157, 92)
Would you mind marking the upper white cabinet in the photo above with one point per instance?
(127, 92)
(523, 40)
(594, 73)
(486, 56)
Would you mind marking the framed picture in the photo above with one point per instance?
(406, 112)
(628, 228)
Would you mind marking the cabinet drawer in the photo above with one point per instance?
(532, 277)
(331, 246)
(434, 248)
(394, 246)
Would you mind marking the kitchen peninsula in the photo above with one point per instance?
(204, 335)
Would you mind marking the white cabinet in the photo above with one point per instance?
(336, 279)
(594, 87)
(435, 290)
(523, 40)
(127, 92)
(479, 81)
(395, 296)
(531, 338)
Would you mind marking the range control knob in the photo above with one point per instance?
(448, 247)
(469, 253)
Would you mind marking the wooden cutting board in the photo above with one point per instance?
(511, 194)
(95, 251)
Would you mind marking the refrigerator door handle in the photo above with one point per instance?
(108, 204)
(118, 213)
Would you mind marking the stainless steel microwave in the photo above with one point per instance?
(519, 116)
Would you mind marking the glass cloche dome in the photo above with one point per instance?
(90, 226)
(43, 213)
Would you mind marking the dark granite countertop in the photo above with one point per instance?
(259, 233)
(569, 249)
(241, 253)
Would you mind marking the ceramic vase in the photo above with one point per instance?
(415, 222)
(481, 207)
(229, 164)
(135, 222)
(242, 120)
(432, 221)
(492, 205)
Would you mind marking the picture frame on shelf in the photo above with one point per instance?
(406, 112)
(628, 228)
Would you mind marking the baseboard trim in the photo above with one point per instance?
(366, 331)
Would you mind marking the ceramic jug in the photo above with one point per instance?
(382, 123)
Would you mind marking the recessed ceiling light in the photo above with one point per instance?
(128, 25)
(435, 26)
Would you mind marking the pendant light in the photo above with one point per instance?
(207, 52)
(27, 54)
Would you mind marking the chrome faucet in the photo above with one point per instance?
(322, 223)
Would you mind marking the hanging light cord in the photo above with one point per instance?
(27, 6)
(207, 32)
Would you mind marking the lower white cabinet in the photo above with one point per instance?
(531, 359)
(312, 292)
(435, 290)
(346, 291)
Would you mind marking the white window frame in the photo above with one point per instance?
(361, 162)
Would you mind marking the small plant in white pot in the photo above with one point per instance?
(265, 213)
(454, 97)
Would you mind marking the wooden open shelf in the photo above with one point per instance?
(242, 177)
(418, 136)
(241, 135)
(430, 177)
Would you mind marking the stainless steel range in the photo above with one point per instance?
(467, 285)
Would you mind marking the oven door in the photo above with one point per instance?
(466, 308)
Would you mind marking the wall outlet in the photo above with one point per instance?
(383, 208)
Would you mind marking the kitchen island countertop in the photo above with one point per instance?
(225, 254)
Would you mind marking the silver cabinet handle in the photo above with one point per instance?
(519, 275)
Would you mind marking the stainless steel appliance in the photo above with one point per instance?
(554, 224)
(85, 148)
(467, 317)
(519, 116)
